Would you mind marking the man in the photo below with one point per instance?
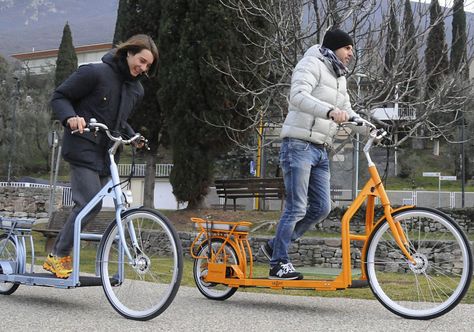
(318, 103)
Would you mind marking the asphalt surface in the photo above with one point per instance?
(33, 308)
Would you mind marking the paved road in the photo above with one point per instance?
(86, 309)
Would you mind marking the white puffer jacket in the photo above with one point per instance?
(315, 89)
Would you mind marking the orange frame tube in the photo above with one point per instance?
(238, 240)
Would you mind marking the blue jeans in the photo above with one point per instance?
(307, 184)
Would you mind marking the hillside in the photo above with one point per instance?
(27, 25)
(24, 27)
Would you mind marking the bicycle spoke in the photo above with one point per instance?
(148, 285)
(437, 278)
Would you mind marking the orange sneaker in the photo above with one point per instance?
(60, 266)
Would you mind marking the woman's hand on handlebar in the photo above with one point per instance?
(141, 143)
(76, 123)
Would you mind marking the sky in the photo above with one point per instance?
(468, 4)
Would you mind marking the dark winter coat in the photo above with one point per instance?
(105, 91)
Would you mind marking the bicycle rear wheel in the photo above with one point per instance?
(8, 253)
(210, 290)
(145, 287)
(442, 271)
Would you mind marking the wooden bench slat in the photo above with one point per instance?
(265, 188)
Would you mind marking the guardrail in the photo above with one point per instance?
(421, 198)
(437, 199)
(162, 170)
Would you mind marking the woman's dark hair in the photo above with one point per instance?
(136, 44)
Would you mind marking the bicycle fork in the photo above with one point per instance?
(395, 227)
(398, 234)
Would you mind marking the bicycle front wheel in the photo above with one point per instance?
(437, 280)
(143, 288)
(8, 253)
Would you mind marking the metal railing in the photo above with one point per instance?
(24, 184)
(421, 198)
(437, 199)
(162, 170)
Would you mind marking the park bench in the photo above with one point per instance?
(264, 188)
(96, 226)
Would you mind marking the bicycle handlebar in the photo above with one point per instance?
(358, 121)
(376, 133)
(93, 125)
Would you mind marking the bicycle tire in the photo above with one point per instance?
(438, 280)
(211, 290)
(8, 252)
(149, 285)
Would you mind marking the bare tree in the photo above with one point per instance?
(297, 24)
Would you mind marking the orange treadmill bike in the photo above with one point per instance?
(417, 261)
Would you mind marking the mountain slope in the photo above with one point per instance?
(26, 25)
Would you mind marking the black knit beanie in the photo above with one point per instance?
(334, 39)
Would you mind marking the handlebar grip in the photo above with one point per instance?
(356, 120)
(75, 131)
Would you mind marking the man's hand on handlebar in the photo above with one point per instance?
(77, 123)
(338, 116)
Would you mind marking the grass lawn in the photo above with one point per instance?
(261, 271)
(88, 254)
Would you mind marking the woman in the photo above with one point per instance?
(108, 92)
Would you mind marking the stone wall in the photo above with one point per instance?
(327, 252)
(27, 202)
(309, 251)
(34, 202)
(322, 252)
(332, 224)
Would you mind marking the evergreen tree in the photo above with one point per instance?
(126, 10)
(192, 35)
(333, 13)
(143, 17)
(458, 47)
(459, 66)
(4, 68)
(66, 63)
(410, 61)
(436, 53)
(5, 114)
(392, 41)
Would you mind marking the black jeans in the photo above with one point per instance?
(85, 183)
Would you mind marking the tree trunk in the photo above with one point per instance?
(149, 187)
(196, 204)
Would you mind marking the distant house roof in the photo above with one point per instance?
(54, 53)
(41, 62)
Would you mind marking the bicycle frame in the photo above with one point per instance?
(111, 189)
(373, 189)
(138, 261)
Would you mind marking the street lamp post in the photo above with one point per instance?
(462, 163)
(13, 129)
(395, 150)
(355, 157)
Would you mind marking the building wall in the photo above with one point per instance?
(45, 61)
(91, 57)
